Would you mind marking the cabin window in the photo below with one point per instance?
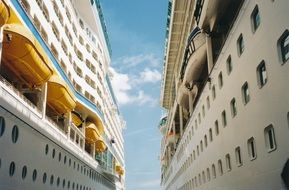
(208, 174)
(252, 148)
(229, 65)
(255, 18)
(262, 74)
(233, 106)
(208, 102)
(245, 93)
(220, 80)
(44, 178)
(12, 169)
(270, 138)
(228, 162)
(24, 172)
(2, 126)
(283, 44)
(34, 175)
(213, 92)
(217, 127)
(15, 134)
(220, 167)
(224, 118)
(213, 171)
(210, 135)
(238, 156)
(240, 45)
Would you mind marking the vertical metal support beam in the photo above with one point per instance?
(93, 151)
(191, 103)
(209, 52)
(68, 124)
(43, 100)
(1, 45)
(181, 120)
(174, 134)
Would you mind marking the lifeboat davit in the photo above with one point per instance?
(24, 56)
(59, 97)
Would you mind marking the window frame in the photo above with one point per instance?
(255, 14)
(281, 48)
(260, 78)
(252, 148)
(267, 138)
(240, 45)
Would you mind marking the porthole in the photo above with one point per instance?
(12, 169)
(68, 184)
(34, 175)
(73, 185)
(15, 134)
(63, 183)
(46, 149)
(58, 181)
(24, 172)
(59, 156)
(76, 186)
(74, 165)
(2, 126)
(64, 160)
(51, 180)
(44, 178)
(53, 153)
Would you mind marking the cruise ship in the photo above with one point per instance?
(60, 126)
(225, 91)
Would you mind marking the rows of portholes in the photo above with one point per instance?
(12, 167)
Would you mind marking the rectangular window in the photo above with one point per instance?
(229, 65)
(220, 167)
(233, 107)
(240, 45)
(252, 148)
(213, 171)
(213, 92)
(284, 46)
(262, 74)
(210, 135)
(220, 80)
(245, 93)
(217, 127)
(228, 162)
(208, 102)
(255, 18)
(270, 138)
(238, 156)
(224, 118)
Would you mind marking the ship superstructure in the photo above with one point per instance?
(60, 126)
(226, 95)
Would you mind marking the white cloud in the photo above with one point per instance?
(149, 75)
(123, 86)
(135, 60)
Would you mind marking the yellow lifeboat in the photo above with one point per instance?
(100, 145)
(119, 169)
(24, 56)
(76, 118)
(4, 12)
(91, 132)
(59, 97)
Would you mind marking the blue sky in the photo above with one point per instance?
(136, 30)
